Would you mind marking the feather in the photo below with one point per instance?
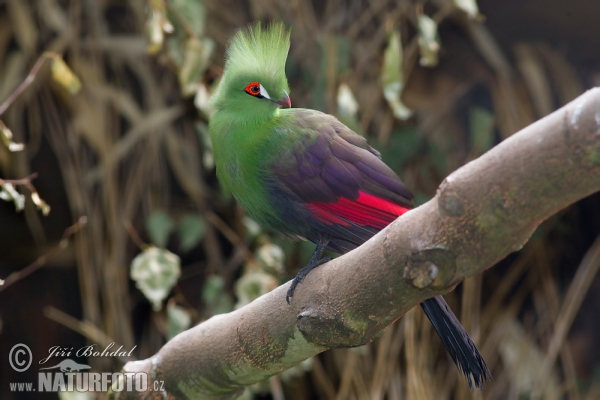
(461, 348)
(254, 54)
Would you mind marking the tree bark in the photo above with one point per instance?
(481, 213)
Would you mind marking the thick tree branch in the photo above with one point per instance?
(482, 212)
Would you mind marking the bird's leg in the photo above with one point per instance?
(315, 261)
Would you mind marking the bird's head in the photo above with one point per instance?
(254, 81)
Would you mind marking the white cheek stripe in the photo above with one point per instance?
(263, 92)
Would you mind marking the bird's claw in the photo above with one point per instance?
(302, 274)
(290, 291)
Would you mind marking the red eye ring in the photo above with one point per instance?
(253, 89)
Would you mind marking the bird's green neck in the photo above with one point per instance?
(242, 146)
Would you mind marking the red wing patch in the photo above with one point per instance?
(366, 210)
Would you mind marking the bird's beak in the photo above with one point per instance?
(284, 102)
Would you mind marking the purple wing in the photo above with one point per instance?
(339, 182)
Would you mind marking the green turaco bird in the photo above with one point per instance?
(305, 174)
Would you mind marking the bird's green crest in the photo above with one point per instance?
(254, 54)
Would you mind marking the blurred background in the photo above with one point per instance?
(131, 240)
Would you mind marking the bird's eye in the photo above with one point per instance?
(253, 89)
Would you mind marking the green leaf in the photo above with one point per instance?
(223, 305)
(469, 7)
(188, 49)
(439, 159)
(159, 226)
(191, 230)
(213, 287)
(346, 101)
(405, 143)
(251, 228)
(9, 193)
(392, 77)
(214, 295)
(64, 76)
(157, 25)
(481, 128)
(6, 136)
(155, 272)
(253, 284)
(196, 57)
(271, 258)
(39, 203)
(429, 43)
(190, 12)
(178, 320)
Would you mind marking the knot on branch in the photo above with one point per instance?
(421, 273)
(325, 327)
(449, 201)
(434, 267)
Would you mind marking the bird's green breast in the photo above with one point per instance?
(244, 151)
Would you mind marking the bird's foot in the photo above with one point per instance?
(302, 274)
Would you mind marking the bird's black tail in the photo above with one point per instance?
(456, 340)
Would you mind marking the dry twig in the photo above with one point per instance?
(42, 260)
